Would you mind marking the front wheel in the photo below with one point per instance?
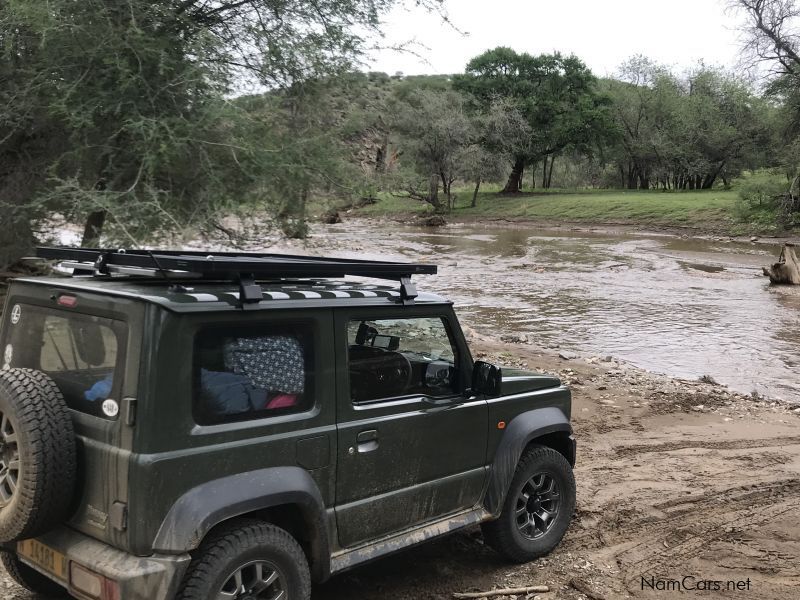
(537, 509)
(248, 560)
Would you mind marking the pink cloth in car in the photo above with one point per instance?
(282, 401)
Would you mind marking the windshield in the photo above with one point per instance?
(80, 352)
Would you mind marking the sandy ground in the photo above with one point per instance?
(678, 482)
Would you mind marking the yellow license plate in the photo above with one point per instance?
(43, 557)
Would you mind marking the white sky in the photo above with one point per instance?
(603, 33)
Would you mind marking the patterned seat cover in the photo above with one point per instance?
(274, 363)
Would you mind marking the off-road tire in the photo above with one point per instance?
(45, 443)
(31, 579)
(504, 535)
(238, 544)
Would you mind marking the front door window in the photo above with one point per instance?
(389, 358)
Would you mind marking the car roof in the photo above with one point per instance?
(202, 295)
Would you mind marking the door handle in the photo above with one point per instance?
(367, 441)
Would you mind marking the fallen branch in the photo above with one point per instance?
(584, 588)
(536, 589)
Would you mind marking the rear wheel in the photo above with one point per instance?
(31, 579)
(537, 509)
(249, 560)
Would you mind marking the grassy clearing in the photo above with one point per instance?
(713, 209)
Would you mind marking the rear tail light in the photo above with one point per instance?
(92, 585)
(67, 300)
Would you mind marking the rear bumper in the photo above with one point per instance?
(139, 578)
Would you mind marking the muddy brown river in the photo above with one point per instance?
(681, 307)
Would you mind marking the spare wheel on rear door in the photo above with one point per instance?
(37, 455)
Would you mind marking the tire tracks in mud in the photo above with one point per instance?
(740, 444)
(663, 543)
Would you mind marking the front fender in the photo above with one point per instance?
(520, 432)
(209, 504)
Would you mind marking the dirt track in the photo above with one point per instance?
(675, 479)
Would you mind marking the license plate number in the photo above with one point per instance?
(43, 557)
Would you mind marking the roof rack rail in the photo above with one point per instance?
(243, 268)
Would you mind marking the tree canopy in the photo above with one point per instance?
(120, 115)
(557, 95)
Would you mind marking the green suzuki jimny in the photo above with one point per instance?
(186, 426)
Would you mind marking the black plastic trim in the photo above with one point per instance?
(520, 432)
(207, 505)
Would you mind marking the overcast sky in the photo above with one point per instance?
(603, 33)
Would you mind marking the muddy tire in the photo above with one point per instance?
(31, 579)
(537, 509)
(37, 455)
(257, 559)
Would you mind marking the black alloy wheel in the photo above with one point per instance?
(9, 460)
(256, 580)
(537, 505)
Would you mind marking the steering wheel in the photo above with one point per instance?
(395, 372)
(387, 374)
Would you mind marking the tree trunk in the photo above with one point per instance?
(475, 193)
(710, 178)
(446, 183)
(514, 184)
(550, 172)
(533, 176)
(787, 269)
(433, 193)
(633, 176)
(93, 228)
(544, 173)
(16, 238)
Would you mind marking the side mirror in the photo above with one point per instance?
(486, 378)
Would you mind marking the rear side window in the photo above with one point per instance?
(246, 374)
(80, 352)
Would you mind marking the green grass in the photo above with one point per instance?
(712, 209)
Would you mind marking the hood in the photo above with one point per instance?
(517, 381)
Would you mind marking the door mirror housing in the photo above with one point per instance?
(486, 378)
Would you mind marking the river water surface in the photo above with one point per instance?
(681, 307)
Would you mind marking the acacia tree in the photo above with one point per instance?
(498, 133)
(556, 94)
(772, 39)
(433, 129)
(117, 115)
(684, 132)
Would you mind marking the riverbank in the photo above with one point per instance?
(707, 212)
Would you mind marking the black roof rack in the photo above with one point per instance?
(241, 267)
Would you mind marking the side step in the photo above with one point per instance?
(347, 559)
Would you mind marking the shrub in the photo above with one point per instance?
(761, 203)
(762, 189)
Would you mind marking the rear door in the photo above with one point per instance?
(88, 344)
(411, 445)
